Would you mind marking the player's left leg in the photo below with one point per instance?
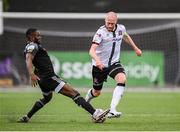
(117, 95)
(117, 72)
(37, 106)
(97, 115)
(67, 90)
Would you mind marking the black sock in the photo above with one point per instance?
(82, 102)
(38, 105)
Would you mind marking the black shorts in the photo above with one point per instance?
(48, 85)
(100, 76)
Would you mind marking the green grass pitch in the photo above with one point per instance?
(142, 111)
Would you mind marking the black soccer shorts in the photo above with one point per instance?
(48, 85)
(99, 77)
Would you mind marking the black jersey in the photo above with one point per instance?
(42, 63)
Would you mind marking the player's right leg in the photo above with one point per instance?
(98, 79)
(37, 106)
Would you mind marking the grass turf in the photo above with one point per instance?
(141, 112)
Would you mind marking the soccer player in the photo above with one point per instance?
(105, 53)
(43, 74)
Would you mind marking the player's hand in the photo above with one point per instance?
(138, 52)
(100, 65)
(34, 80)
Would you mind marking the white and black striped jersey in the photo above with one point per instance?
(109, 44)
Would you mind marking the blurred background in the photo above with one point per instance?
(67, 27)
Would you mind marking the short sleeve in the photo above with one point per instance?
(31, 48)
(97, 37)
(123, 29)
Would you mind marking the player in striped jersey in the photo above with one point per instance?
(105, 52)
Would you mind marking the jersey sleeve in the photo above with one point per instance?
(31, 48)
(123, 29)
(97, 37)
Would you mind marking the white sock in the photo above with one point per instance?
(89, 95)
(117, 94)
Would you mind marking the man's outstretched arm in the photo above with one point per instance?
(129, 40)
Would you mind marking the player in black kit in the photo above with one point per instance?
(43, 74)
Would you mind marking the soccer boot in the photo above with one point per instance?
(24, 119)
(114, 114)
(99, 115)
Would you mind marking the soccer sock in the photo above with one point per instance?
(117, 94)
(80, 101)
(89, 95)
(38, 105)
